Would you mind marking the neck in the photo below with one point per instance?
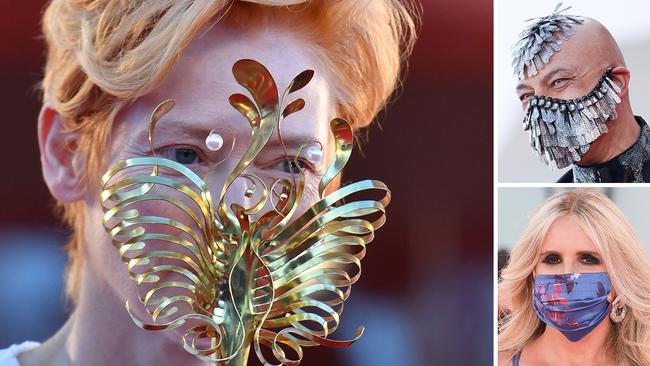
(100, 332)
(623, 133)
(590, 350)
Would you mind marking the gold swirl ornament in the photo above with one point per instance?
(230, 276)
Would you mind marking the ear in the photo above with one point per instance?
(621, 76)
(611, 296)
(58, 148)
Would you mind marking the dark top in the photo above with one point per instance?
(515, 359)
(631, 166)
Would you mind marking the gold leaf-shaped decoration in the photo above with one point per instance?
(344, 140)
(246, 107)
(300, 81)
(258, 81)
(293, 107)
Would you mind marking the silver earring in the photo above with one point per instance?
(618, 311)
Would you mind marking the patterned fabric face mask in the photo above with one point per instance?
(561, 131)
(573, 303)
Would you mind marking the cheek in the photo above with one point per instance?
(310, 195)
(546, 268)
(165, 247)
(574, 90)
(592, 267)
(102, 257)
(162, 219)
(542, 268)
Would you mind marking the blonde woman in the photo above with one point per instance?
(576, 288)
(109, 63)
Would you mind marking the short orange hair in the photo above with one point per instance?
(104, 54)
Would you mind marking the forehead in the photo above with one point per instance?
(575, 56)
(566, 236)
(201, 80)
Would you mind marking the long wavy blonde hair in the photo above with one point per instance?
(623, 256)
(104, 54)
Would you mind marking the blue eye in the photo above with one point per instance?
(290, 166)
(185, 156)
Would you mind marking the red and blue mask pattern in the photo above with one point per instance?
(573, 303)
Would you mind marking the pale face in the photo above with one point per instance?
(201, 82)
(567, 249)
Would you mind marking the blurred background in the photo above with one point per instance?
(628, 23)
(425, 296)
(517, 205)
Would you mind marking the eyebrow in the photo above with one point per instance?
(200, 132)
(554, 72)
(292, 142)
(522, 86)
(175, 127)
(582, 252)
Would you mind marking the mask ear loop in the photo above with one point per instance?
(609, 74)
(612, 295)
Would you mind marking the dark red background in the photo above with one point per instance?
(433, 258)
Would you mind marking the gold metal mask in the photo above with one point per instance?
(230, 276)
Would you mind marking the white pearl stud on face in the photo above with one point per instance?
(314, 154)
(214, 141)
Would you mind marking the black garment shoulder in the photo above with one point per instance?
(612, 170)
(566, 177)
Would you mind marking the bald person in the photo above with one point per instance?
(573, 85)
